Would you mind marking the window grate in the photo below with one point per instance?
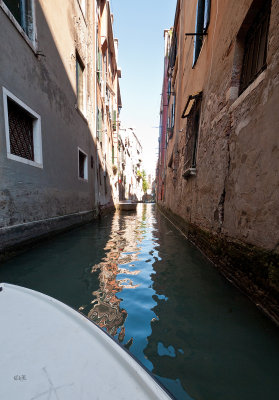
(21, 131)
(254, 61)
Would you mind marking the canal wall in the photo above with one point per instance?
(252, 269)
(16, 238)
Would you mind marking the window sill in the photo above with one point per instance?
(31, 44)
(247, 91)
(24, 160)
(83, 179)
(80, 112)
(189, 172)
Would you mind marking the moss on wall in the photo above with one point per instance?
(254, 270)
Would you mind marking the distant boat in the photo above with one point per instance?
(127, 205)
(51, 351)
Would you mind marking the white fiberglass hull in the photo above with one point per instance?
(50, 351)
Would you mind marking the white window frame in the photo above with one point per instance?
(37, 131)
(32, 42)
(85, 172)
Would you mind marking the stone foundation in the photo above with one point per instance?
(253, 270)
(16, 238)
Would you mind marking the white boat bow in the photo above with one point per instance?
(50, 351)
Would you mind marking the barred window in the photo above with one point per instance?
(254, 60)
(21, 131)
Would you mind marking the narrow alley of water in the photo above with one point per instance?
(138, 278)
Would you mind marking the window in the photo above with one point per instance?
(80, 84)
(112, 154)
(99, 65)
(202, 22)
(114, 120)
(22, 10)
(23, 131)
(99, 125)
(193, 122)
(82, 165)
(105, 183)
(173, 51)
(171, 119)
(255, 47)
(100, 175)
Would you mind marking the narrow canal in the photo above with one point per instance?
(139, 279)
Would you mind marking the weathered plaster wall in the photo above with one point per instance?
(235, 192)
(46, 82)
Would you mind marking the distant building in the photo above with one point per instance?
(164, 122)
(130, 165)
(108, 108)
(218, 163)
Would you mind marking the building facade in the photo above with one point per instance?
(130, 165)
(58, 74)
(221, 162)
(108, 108)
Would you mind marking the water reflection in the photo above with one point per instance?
(137, 277)
(122, 249)
(178, 316)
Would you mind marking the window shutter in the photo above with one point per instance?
(98, 123)
(206, 19)
(199, 29)
(100, 127)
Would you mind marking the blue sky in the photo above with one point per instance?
(139, 25)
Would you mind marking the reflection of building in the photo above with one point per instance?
(121, 250)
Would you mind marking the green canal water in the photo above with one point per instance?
(141, 281)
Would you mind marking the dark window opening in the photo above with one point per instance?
(21, 131)
(22, 11)
(82, 164)
(105, 182)
(173, 51)
(255, 47)
(193, 123)
(202, 22)
(100, 175)
(92, 162)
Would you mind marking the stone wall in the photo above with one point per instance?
(234, 194)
